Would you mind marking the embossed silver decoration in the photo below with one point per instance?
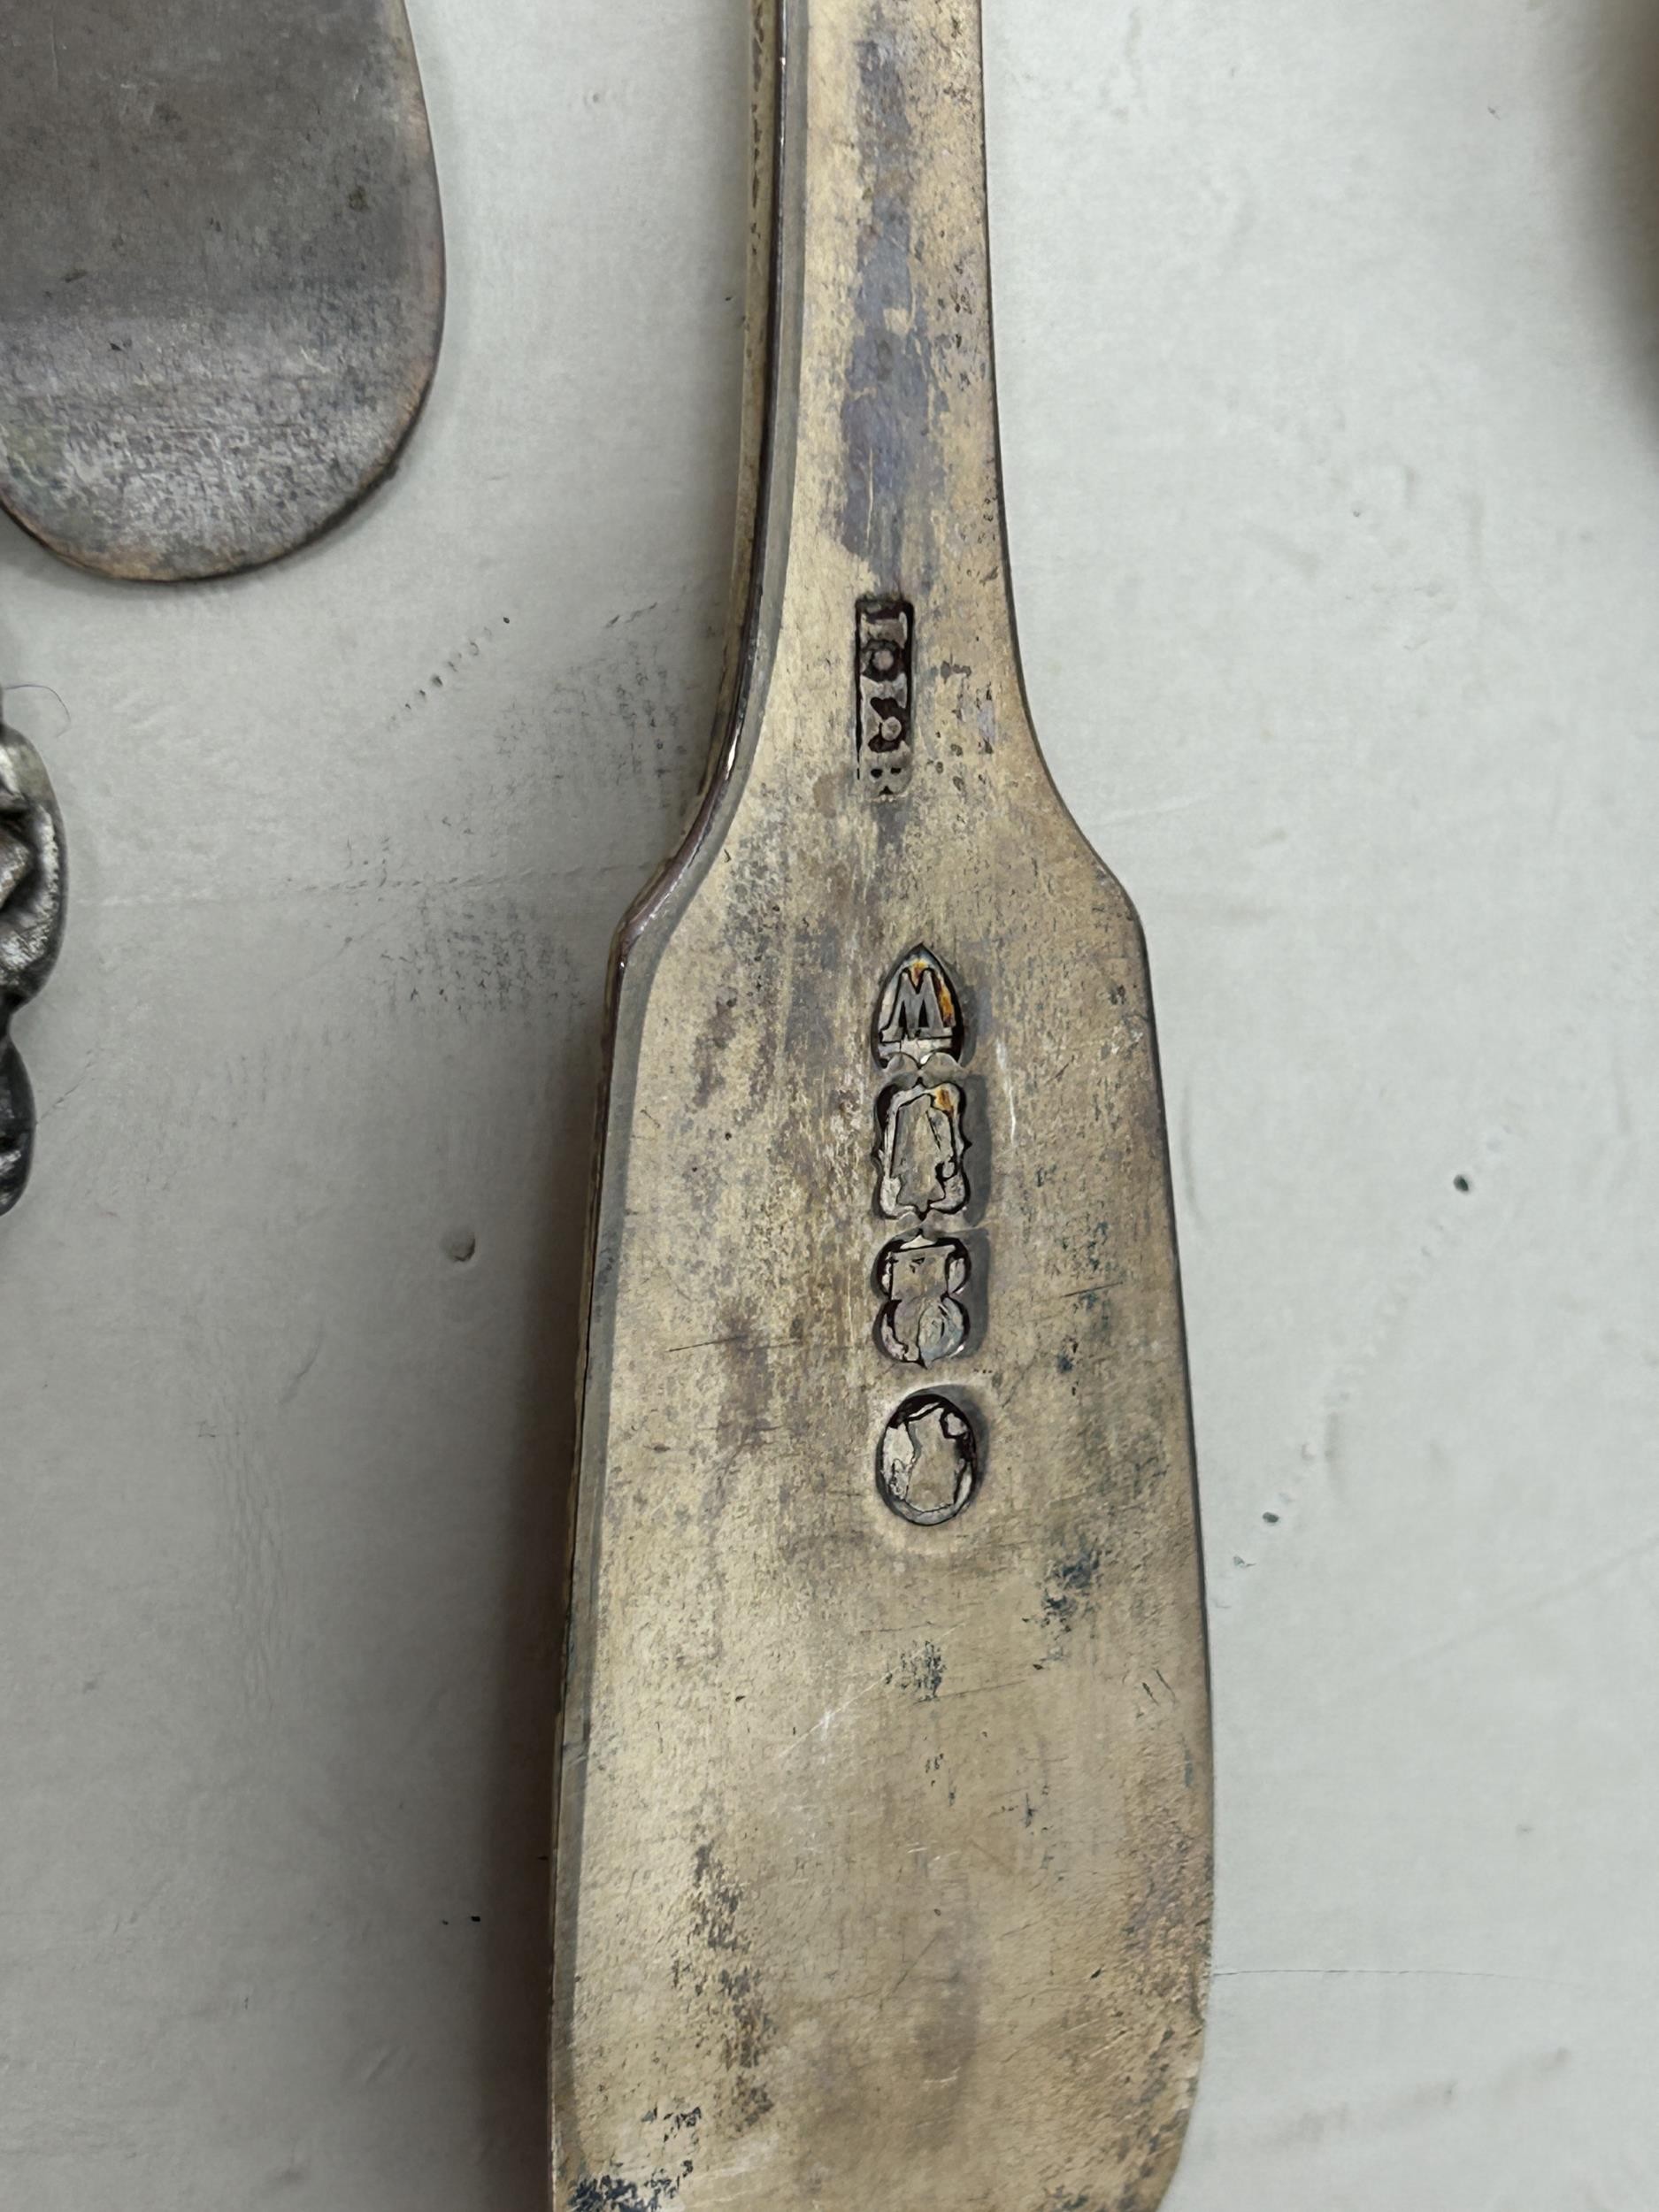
(32, 892)
(923, 1279)
(928, 1465)
(886, 752)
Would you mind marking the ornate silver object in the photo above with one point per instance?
(32, 895)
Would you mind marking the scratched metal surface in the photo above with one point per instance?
(883, 1860)
(275, 1585)
(221, 272)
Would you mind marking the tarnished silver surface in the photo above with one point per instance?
(883, 1850)
(32, 894)
(221, 272)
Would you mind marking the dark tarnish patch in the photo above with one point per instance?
(921, 1672)
(1153, 2154)
(716, 1901)
(1068, 1594)
(746, 2045)
(608, 2192)
(674, 2123)
(712, 1042)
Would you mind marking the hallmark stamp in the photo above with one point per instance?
(885, 752)
(927, 1464)
(920, 1150)
(919, 1012)
(923, 1320)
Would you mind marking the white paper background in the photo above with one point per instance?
(1329, 342)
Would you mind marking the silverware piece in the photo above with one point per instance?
(221, 274)
(884, 1836)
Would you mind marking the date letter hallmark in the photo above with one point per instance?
(885, 753)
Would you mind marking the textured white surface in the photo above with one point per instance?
(1330, 353)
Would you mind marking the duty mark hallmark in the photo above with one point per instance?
(927, 1469)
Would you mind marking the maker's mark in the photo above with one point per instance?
(919, 1012)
